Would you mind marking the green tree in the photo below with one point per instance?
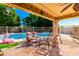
(37, 21)
(8, 17)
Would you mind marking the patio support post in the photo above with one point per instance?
(55, 27)
(55, 48)
(55, 32)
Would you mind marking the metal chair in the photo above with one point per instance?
(51, 43)
(44, 46)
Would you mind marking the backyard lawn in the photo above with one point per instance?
(9, 45)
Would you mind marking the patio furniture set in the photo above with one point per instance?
(43, 44)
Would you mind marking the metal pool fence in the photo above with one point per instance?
(72, 31)
(3, 30)
(68, 29)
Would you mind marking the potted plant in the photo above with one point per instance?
(1, 53)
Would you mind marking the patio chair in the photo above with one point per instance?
(44, 45)
(45, 49)
(30, 39)
(60, 38)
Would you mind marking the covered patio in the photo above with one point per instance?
(67, 48)
(54, 12)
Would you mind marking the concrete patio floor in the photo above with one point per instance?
(67, 48)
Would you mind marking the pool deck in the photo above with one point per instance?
(68, 48)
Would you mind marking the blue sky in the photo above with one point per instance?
(70, 21)
(21, 13)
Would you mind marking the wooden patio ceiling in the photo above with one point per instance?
(51, 11)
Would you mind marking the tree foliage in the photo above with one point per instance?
(37, 21)
(8, 17)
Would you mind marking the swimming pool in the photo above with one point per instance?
(17, 35)
(23, 35)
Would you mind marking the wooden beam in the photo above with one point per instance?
(31, 9)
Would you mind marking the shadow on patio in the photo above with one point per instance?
(29, 50)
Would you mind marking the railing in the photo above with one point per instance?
(3, 30)
(72, 31)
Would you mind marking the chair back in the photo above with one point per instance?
(29, 35)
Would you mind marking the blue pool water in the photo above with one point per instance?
(43, 34)
(17, 35)
(23, 35)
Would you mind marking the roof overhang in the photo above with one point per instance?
(49, 11)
